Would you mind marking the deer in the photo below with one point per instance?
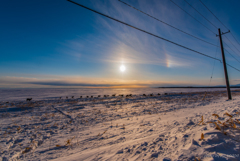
(28, 99)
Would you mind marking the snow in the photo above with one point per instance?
(48, 93)
(158, 127)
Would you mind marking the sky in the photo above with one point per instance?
(57, 44)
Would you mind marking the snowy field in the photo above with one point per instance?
(55, 93)
(192, 125)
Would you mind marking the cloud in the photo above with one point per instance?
(108, 44)
(67, 84)
(87, 82)
(115, 42)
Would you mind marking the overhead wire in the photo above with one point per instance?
(232, 55)
(149, 33)
(213, 67)
(229, 52)
(142, 30)
(233, 67)
(231, 43)
(200, 13)
(215, 27)
(231, 49)
(167, 23)
(175, 27)
(193, 17)
(218, 20)
(213, 14)
(235, 38)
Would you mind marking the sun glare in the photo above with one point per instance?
(122, 68)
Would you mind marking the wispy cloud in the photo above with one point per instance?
(118, 43)
(90, 54)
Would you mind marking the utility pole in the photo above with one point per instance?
(224, 64)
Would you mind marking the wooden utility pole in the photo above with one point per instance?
(224, 65)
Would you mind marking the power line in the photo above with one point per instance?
(233, 67)
(232, 43)
(166, 23)
(229, 52)
(218, 19)
(213, 14)
(142, 30)
(230, 48)
(212, 24)
(193, 17)
(213, 67)
(231, 55)
(235, 38)
(200, 13)
(149, 33)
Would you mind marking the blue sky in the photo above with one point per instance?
(54, 43)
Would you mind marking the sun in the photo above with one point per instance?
(122, 68)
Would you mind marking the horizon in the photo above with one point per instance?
(56, 44)
(121, 87)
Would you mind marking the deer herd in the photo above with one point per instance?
(105, 96)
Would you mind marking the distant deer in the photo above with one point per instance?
(121, 95)
(87, 96)
(113, 95)
(72, 96)
(91, 96)
(166, 94)
(130, 95)
(28, 99)
(144, 95)
(159, 94)
(80, 96)
(151, 95)
(105, 95)
(99, 95)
